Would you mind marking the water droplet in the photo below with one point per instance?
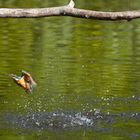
(37, 123)
(133, 96)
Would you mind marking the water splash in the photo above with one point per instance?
(66, 120)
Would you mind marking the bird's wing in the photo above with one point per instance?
(28, 78)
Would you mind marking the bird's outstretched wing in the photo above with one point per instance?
(28, 78)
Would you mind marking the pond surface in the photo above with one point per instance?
(87, 71)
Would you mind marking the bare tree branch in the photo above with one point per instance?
(67, 10)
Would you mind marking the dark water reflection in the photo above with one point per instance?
(87, 73)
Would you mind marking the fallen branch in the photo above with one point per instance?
(67, 10)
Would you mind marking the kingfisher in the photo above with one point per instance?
(25, 81)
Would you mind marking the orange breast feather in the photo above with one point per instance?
(21, 82)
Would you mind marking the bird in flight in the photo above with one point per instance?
(25, 81)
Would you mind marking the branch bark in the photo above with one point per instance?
(67, 10)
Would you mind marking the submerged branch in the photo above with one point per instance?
(67, 10)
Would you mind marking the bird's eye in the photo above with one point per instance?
(28, 81)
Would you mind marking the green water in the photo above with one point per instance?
(80, 66)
